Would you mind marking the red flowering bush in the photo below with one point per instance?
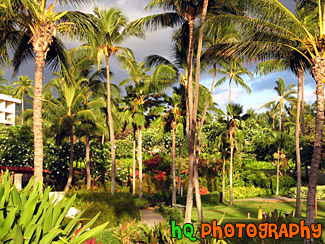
(203, 191)
(160, 175)
(157, 169)
(153, 163)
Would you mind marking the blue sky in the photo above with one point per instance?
(160, 42)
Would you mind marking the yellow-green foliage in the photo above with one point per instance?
(248, 192)
(30, 216)
(304, 192)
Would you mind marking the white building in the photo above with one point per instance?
(7, 109)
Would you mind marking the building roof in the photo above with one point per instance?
(9, 98)
(24, 170)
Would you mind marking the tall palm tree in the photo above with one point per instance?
(24, 86)
(178, 64)
(270, 30)
(36, 25)
(233, 69)
(140, 100)
(105, 43)
(170, 120)
(272, 111)
(222, 145)
(285, 95)
(234, 111)
(297, 64)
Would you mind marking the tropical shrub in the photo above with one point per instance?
(210, 199)
(285, 183)
(159, 233)
(142, 203)
(107, 237)
(134, 232)
(16, 146)
(32, 216)
(320, 190)
(169, 213)
(118, 208)
(157, 170)
(128, 232)
(248, 192)
(124, 148)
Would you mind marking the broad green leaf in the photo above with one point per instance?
(7, 223)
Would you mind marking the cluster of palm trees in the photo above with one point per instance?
(227, 30)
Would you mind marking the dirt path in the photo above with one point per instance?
(150, 218)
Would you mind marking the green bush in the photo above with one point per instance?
(118, 208)
(210, 199)
(142, 203)
(304, 192)
(30, 216)
(107, 237)
(248, 192)
(285, 183)
(170, 213)
(159, 197)
(249, 164)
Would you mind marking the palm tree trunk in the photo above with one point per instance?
(298, 198)
(223, 180)
(193, 115)
(303, 104)
(318, 72)
(88, 163)
(187, 129)
(111, 128)
(230, 174)
(103, 139)
(229, 99)
(280, 119)
(197, 153)
(277, 173)
(22, 105)
(140, 160)
(133, 171)
(174, 165)
(67, 186)
(190, 71)
(37, 112)
(189, 199)
(179, 168)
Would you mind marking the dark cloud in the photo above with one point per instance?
(155, 43)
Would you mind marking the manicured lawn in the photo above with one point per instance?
(238, 213)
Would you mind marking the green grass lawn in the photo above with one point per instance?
(238, 213)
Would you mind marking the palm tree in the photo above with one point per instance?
(233, 69)
(179, 63)
(170, 120)
(140, 101)
(111, 32)
(24, 86)
(285, 95)
(297, 64)
(35, 25)
(7, 89)
(71, 107)
(234, 111)
(222, 145)
(270, 30)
